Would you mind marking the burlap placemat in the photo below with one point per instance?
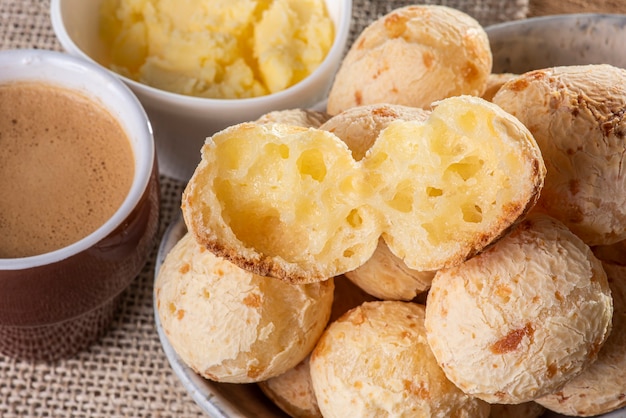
(543, 7)
(126, 374)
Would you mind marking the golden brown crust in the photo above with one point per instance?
(413, 56)
(521, 319)
(576, 114)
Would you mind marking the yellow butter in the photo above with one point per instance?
(216, 48)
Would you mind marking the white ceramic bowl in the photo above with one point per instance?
(517, 46)
(181, 123)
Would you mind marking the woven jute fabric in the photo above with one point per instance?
(125, 373)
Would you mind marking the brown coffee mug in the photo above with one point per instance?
(54, 304)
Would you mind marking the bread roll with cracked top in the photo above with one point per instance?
(292, 203)
(375, 361)
(576, 114)
(413, 56)
(230, 325)
(601, 387)
(520, 320)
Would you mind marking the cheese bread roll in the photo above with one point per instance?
(413, 56)
(520, 320)
(576, 114)
(292, 202)
(600, 388)
(229, 325)
(375, 361)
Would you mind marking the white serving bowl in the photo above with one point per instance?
(517, 46)
(182, 123)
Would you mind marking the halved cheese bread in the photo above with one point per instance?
(292, 203)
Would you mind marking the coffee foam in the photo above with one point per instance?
(66, 166)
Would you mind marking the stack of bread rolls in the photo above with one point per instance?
(441, 241)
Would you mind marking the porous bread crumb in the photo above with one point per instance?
(292, 203)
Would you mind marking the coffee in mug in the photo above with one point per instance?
(66, 166)
(79, 201)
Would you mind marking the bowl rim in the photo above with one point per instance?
(556, 17)
(200, 389)
(342, 32)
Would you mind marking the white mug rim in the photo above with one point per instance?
(144, 153)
